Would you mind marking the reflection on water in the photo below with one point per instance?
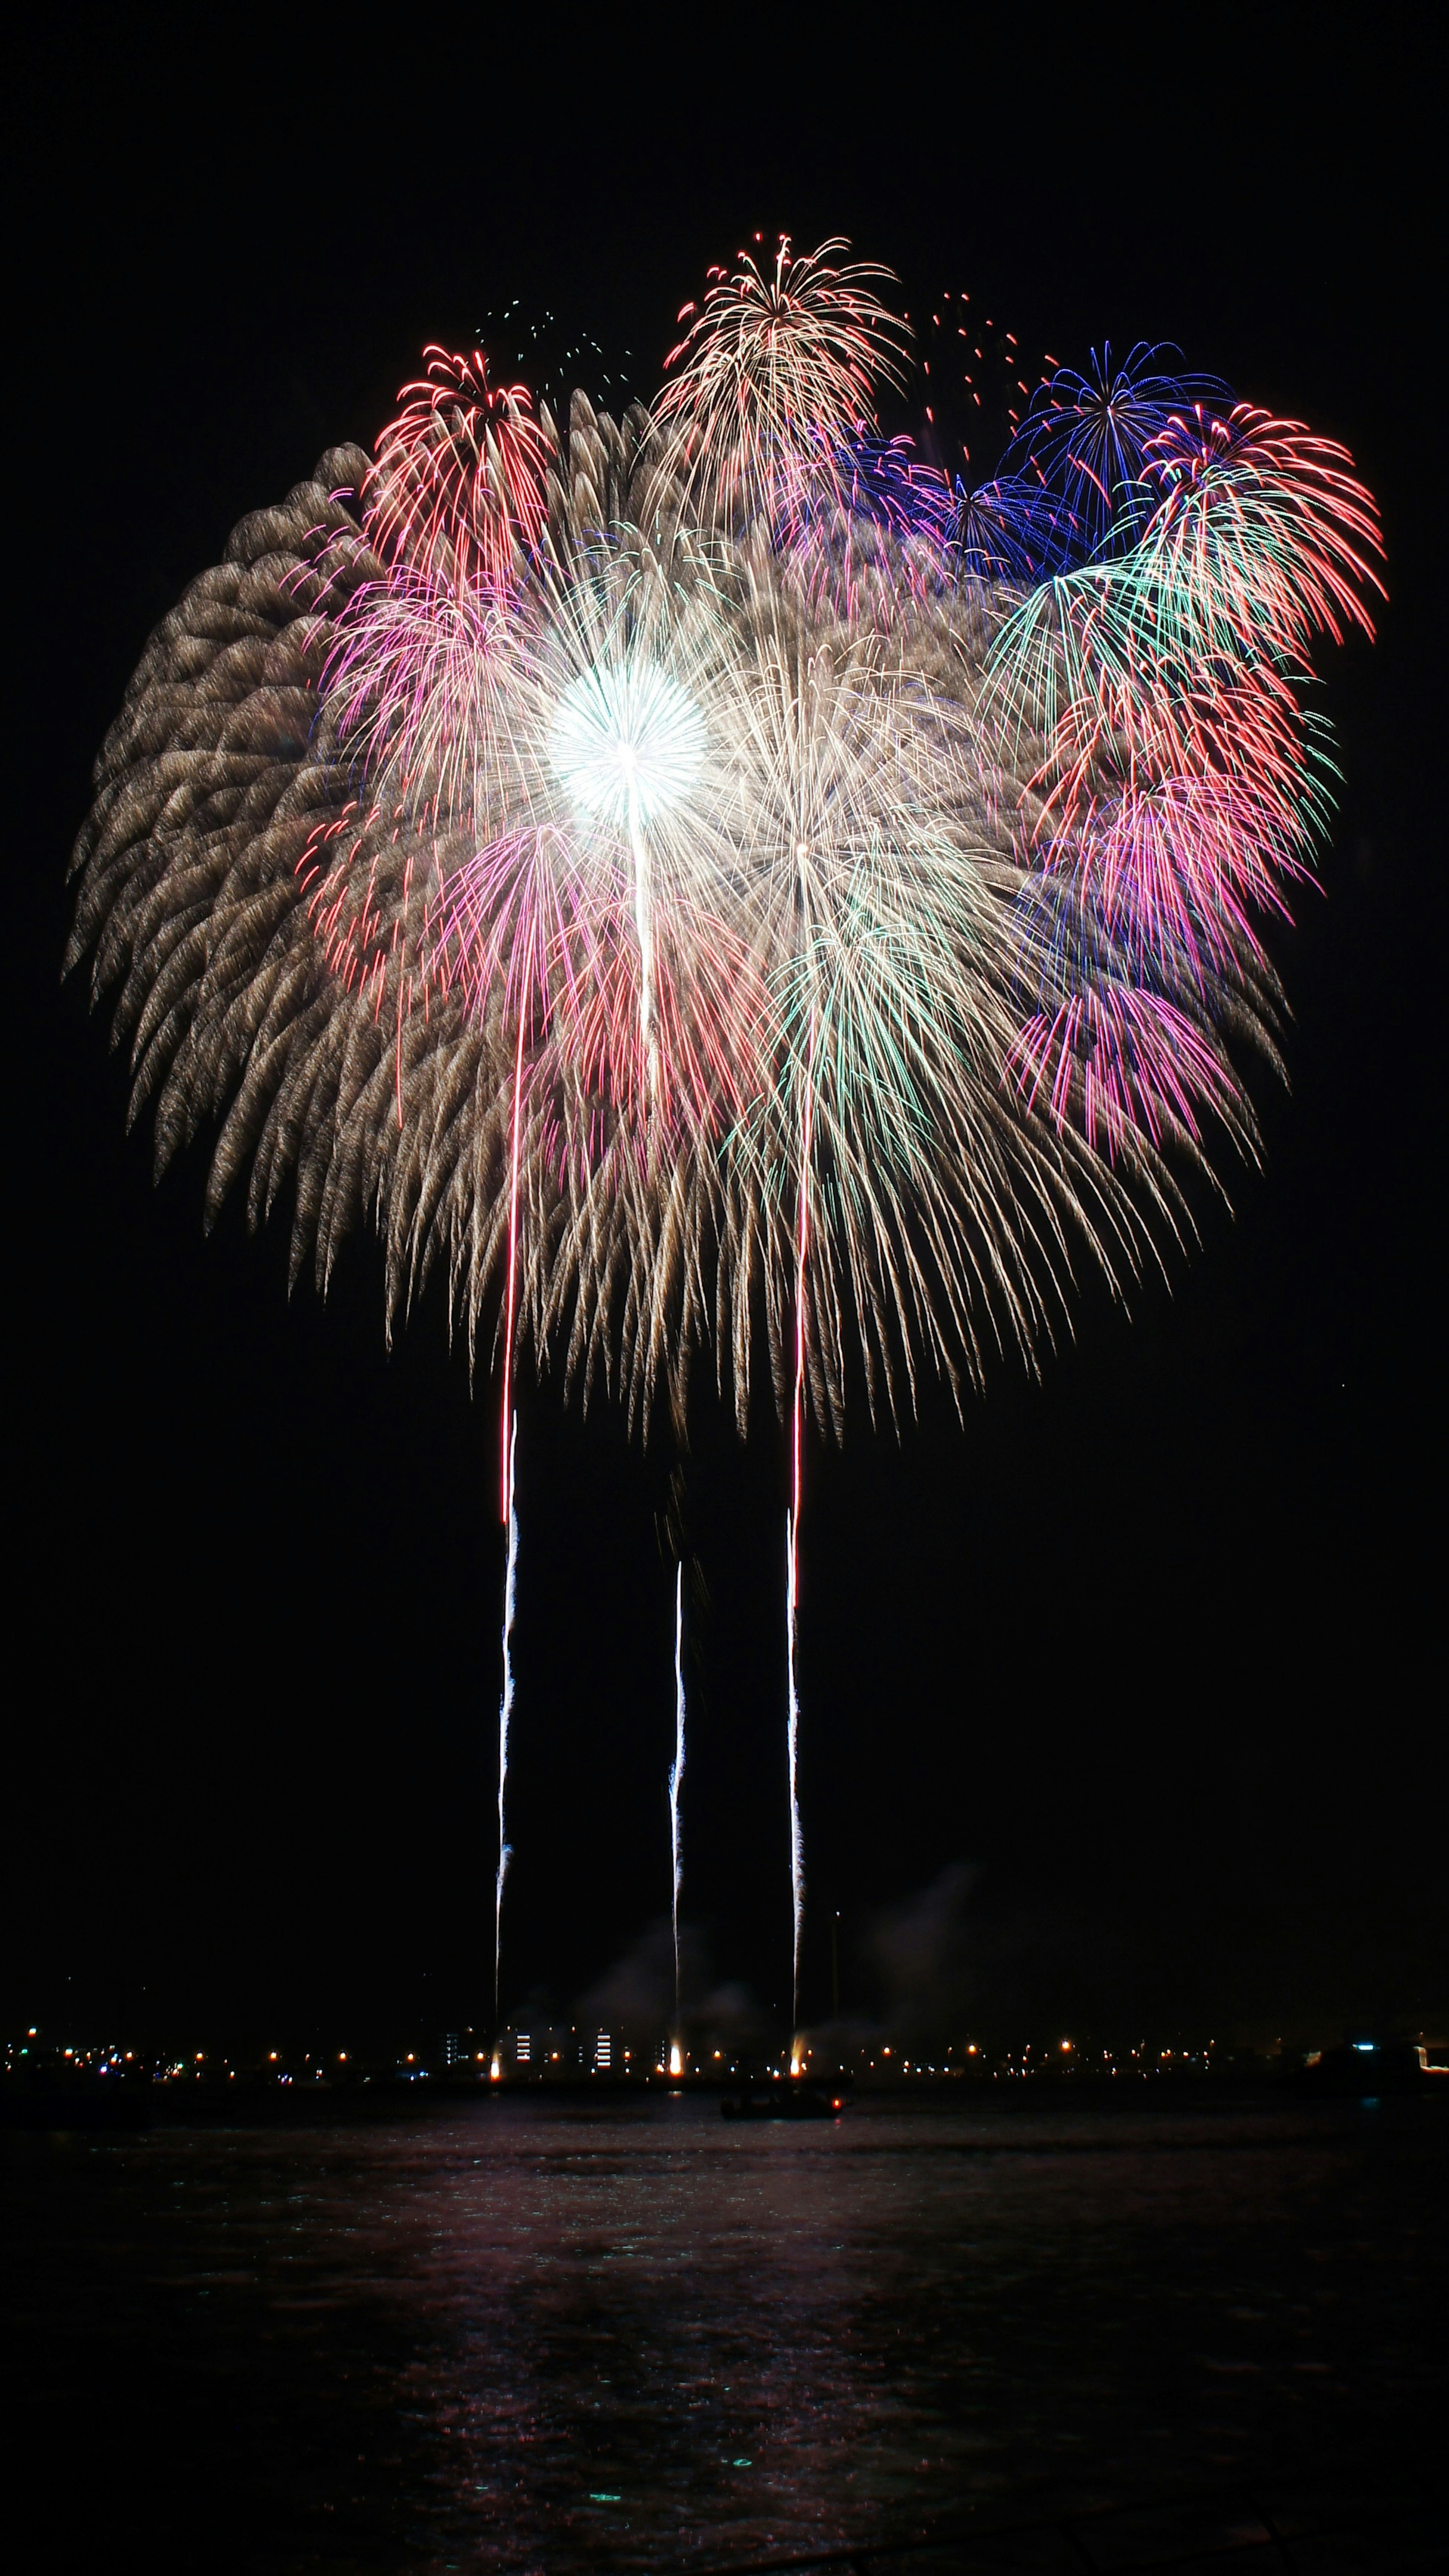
(547, 2337)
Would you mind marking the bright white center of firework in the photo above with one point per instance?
(627, 742)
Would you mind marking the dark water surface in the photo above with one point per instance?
(549, 2337)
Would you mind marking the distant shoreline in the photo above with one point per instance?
(371, 2102)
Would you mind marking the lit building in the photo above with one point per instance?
(539, 2048)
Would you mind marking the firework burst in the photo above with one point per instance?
(707, 882)
(457, 490)
(780, 367)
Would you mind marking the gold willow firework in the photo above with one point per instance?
(719, 879)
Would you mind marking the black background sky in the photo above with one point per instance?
(1155, 1646)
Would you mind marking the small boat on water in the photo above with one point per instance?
(789, 2100)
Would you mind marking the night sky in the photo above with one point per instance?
(1149, 1655)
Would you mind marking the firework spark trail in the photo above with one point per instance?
(792, 1542)
(792, 1743)
(505, 1712)
(510, 1520)
(676, 1777)
(512, 1298)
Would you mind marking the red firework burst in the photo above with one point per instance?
(457, 491)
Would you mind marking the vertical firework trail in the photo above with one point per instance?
(792, 1544)
(507, 1434)
(505, 1712)
(676, 1780)
(510, 1522)
(797, 1839)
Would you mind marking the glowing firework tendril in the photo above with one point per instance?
(510, 1522)
(792, 1753)
(676, 1783)
(505, 1714)
(792, 1518)
(710, 879)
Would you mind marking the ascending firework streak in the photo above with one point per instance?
(792, 1543)
(505, 1714)
(792, 1749)
(676, 1784)
(509, 1445)
(713, 879)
